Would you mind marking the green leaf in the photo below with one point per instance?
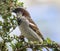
(0, 23)
(41, 49)
(19, 44)
(13, 46)
(48, 41)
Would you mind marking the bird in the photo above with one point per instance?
(27, 26)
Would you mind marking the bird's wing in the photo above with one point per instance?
(34, 27)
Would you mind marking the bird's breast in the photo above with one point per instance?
(28, 33)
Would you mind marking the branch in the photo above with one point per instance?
(35, 45)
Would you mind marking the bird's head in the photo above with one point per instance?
(22, 14)
(21, 11)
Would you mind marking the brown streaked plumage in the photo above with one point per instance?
(31, 24)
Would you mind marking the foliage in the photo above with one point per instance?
(9, 23)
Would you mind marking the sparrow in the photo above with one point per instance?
(27, 26)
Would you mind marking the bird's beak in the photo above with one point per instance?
(19, 21)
